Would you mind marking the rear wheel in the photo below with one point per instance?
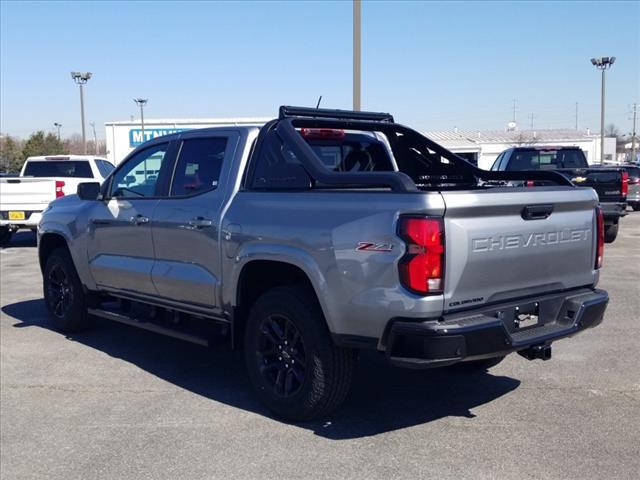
(477, 366)
(5, 236)
(610, 233)
(636, 207)
(296, 369)
(64, 296)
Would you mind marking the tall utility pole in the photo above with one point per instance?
(81, 78)
(95, 138)
(141, 102)
(515, 111)
(58, 126)
(356, 54)
(602, 64)
(532, 116)
(576, 115)
(634, 158)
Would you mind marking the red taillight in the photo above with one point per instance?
(322, 133)
(600, 248)
(529, 183)
(59, 191)
(422, 268)
(625, 184)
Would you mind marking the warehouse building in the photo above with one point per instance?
(482, 147)
(123, 136)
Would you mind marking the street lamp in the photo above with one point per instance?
(602, 64)
(58, 126)
(81, 78)
(141, 102)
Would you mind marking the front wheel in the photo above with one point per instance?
(64, 296)
(636, 207)
(610, 233)
(296, 369)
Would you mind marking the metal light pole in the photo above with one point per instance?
(81, 78)
(58, 126)
(356, 54)
(634, 158)
(602, 64)
(141, 102)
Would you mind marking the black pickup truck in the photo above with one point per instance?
(610, 183)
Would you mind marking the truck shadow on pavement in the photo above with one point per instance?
(20, 239)
(383, 398)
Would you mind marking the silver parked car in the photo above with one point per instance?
(633, 192)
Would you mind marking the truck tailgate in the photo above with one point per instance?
(494, 254)
(27, 194)
(606, 182)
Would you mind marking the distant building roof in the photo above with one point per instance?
(475, 137)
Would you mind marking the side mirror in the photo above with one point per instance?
(88, 190)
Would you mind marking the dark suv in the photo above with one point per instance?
(610, 183)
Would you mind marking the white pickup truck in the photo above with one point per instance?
(42, 180)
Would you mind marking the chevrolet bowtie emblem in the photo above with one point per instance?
(579, 179)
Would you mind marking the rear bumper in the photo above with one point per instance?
(612, 211)
(32, 218)
(493, 331)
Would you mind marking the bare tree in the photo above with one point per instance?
(525, 138)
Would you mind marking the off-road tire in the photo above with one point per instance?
(328, 369)
(610, 233)
(64, 297)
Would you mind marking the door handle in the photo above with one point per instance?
(139, 219)
(200, 222)
(537, 212)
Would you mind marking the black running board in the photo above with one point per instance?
(152, 327)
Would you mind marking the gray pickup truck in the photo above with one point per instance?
(319, 234)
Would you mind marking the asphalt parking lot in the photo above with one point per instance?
(121, 403)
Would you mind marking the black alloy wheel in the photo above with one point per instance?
(281, 355)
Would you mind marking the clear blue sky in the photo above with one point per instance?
(434, 65)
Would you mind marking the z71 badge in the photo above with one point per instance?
(374, 247)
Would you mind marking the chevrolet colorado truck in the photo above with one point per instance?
(42, 180)
(320, 234)
(610, 183)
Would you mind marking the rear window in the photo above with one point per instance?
(58, 168)
(353, 153)
(633, 171)
(546, 160)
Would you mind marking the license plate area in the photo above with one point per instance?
(523, 316)
(526, 316)
(15, 215)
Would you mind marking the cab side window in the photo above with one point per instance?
(139, 175)
(198, 166)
